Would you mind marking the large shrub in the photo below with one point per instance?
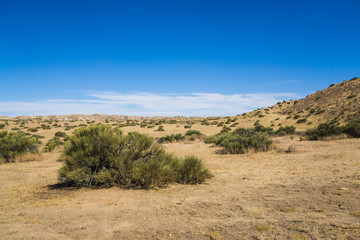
(102, 156)
(241, 141)
(16, 144)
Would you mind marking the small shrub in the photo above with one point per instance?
(60, 134)
(302, 120)
(225, 129)
(52, 144)
(260, 128)
(192, 171)
(351, 96)
(193, 132)
(102, 156)
(323, 130)
(16, 144)
(234, 124)
(171, 138)
(205, 122)
(285, 130)
(2, 126)
(319, 111)
(353, 128)
(160, 129)
(241, 141)
(187, 126)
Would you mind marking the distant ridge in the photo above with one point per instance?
(98, 117)
(338, 102)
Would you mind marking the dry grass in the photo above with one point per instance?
(29, 157)
(311, 193)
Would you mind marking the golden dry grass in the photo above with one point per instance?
(310, 193)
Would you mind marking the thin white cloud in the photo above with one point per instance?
(147, 104)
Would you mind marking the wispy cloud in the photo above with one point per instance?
(147, 104)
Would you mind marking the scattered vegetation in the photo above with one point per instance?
(102, 156)
(352, 129)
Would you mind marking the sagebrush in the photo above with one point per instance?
(102, 156)
(242, 140)
(16, 144)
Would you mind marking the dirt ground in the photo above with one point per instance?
(310, 193)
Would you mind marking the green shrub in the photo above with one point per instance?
(285, 130)
(16, 144)
(319, 111)
(191, 171)
(260, 128)
(241, 141)
(323, 130)
(193, 132)
(52, 144)
(302, 120)
(205, 122)
(171, 138)
(187, 126)
(2, 126)
(353, 128)
(160, 129)
(102, 156)
(60, 134)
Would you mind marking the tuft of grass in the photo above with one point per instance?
(356, 214)
(288, 209)
(261, 228)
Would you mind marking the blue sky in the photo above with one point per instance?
(171, 57)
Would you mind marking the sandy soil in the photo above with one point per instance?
(311, 193)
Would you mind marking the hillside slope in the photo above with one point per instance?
(339, 102)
